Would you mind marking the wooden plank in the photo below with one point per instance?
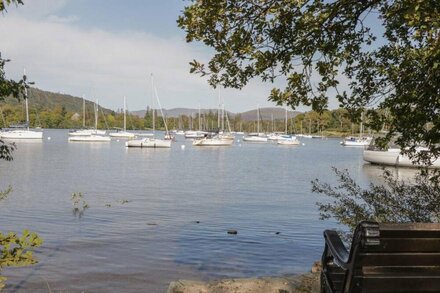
(401, 271)
(410, 226)
(405, 245)
(410, 234)
(414, 259)
(378, 284)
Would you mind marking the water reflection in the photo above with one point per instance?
(375, 173)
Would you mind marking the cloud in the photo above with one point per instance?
(62, 56)
(59, 19)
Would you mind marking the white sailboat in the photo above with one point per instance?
(23, 133)
(287, 139)
(220, 139)
(394, 157)
(84, 131)
(215, 140)
(256, 137)
(123, 133)
(93, 136)
(360, 141)
(152, 142)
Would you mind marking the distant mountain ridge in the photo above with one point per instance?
(267, 113)
(44, 99)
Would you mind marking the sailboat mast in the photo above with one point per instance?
(218, 110)
(96, 114)
(160, 107)
(200, 121)
(27, 108)
(258, 119)
(285, 127)
(26, 99)
(273, 125)
(125, 113)
(361, 128)
(84, 113)
(223, 117)
(152, 106)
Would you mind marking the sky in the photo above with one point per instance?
(108, 49)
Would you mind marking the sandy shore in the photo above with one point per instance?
(306, 283)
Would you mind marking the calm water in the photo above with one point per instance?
(181, 202)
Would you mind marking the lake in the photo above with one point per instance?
(158, 215)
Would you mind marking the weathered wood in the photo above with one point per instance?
(383, 258)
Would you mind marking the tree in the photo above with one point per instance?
(314, 45)
(395, 201)
(15, 250)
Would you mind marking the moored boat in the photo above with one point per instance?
(149, 142)
(90, 138)
(213, 141)
(394, 157)
(357, 141)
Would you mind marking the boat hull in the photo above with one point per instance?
(393, 157)
(122, 134)
(355, 141)
(90, 138)
(291, 142)
(255, 139)
(212, 142)
(149, 143)
(87, 132)
(22, 134)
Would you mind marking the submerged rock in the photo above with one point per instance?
(232, 232)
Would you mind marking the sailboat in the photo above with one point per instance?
(287, 139)
(85, 131)
(358, 141)
(23, 133)
(123, 133)
(218, 139)
(93, 136)
(152, 142)
(257, 137)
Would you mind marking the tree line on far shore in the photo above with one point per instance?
(329, 122)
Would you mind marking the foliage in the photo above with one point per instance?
(396, 201)
(322, 47)
(15, 250)
(4, 193)
(4, 3)
(79, 204)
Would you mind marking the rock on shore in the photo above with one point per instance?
(307, 283)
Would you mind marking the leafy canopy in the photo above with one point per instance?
(324, 47)
(395, 201)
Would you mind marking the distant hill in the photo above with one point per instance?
(43, 99)
(176, 112)
(277, 113)
(266, 113)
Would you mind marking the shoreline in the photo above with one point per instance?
(303, 283)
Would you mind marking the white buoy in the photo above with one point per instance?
(303, 144)
(182, 146)
(48, 138)
(117, 140)
(238, 140)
